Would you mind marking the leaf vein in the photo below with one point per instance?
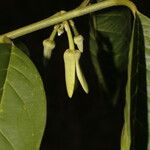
(5, 69)
(1, 100)
(6, 138)
(24, 103)
(17, 70)
(107, 31)
(8, 82)
(146, 36)
(20, 58)
(147, 25)
(2, 54)
(109, 15)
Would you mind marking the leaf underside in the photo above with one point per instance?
(135, 130)
(109, 48)
(145, 21)
(22, 101)
(120, 66)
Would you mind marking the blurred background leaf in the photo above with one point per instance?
(109, 49)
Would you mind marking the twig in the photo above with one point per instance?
(69, 15)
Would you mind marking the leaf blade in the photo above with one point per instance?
(109, 48)
(145, 21)
(20, 122)
(136, 94)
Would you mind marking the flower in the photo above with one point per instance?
(69, 62)
(79, 72)
(72, 68)
(48, 45)
(78, 40)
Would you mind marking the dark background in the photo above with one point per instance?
(86, 121)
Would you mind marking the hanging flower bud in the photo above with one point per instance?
(69, 61)
(78, 40)
(48, 45)
(79, 72)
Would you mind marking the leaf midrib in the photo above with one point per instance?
(1, 101)
(3, 91)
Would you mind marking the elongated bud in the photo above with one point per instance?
(69, 61)
(48, 48)
(78, 40)
(79, 72)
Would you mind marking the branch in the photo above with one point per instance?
(58, 18)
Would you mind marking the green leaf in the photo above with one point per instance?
(109, 45)
(126, 131)
(135, 129)
(118, 56)
(22, 47)
(22, 101)
(146, 28)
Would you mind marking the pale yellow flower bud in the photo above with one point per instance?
(78, 40)
(79, 72)
(69, 61)
(48, 47)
